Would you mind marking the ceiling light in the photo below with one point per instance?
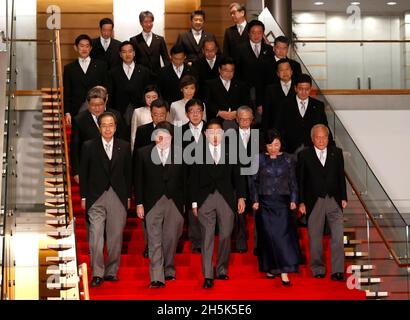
(391, 3)
(318, 3)
(355, 3)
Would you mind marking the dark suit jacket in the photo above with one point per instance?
(250, 69)
(124, 92)
(274, 97)
(152, 181)
(168, 82)
(150, 56)
(317, 181)
(84, 128)
(270, 74)
(224, 177)
(294, 129)
(111, 56)
(204, 73)
(98, 173)
(143, 136)
(193, 50)
(77, 84)
(232, 41)
(217, 98)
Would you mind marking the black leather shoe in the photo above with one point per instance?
(270, 275)
(111, 278)
(338, 276)
(156, 284)
(222, 277)
(286, 283)
(170, 278)
(319, 276)
(96, 282)
(196, 250)
(145, 252)
(208, 283)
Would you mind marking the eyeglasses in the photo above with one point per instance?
(195, 112)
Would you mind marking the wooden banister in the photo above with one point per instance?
(84, 276)
(63, 120)
(376, 225)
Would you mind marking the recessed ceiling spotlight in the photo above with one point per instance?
(355, 3)
(391, 3)
(318, 3)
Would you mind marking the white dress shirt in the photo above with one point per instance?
(105, 43)
(108, 147)
(226, 83)
(256, 47)
(218, 150)
(147, 37)
(163, 154)
(84, 63)
(211, 62)
(241, 27)
(321, 155)
(306, 102)
(178, 70)
(245, 136)
(286, 86)
(128, 69)
(197, 35)
(196, 131)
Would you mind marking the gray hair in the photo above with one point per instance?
(238, 6)
(145, 14)
(97, 92)
(319, 126)
(244, 109)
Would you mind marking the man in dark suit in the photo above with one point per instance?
(159, 196)
(217, 194)
(322, 195)
(106, 47)
(253, 56)
(192, 40)
(235, 35)
(80, 76)
(127, 82)
(192, 141)
(207, 67)
(298, 115)
(105, 188)
(170, 75)
(225, 94)
(276, 92)
(85, 126)
(150, 48)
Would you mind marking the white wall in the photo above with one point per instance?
(126, 13)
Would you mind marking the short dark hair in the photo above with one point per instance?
(97, 92)
(209, 40)
(194, 102)
(104, 21)
(106, 114)
(226, 60)
(187, 80)
(254, 23)
(149, 88)
(214, 121)
(282, 39)
(269, 136)
(283, 60)
(82, 37)
(198, 13)
(159, 103)
(125, 43)
(165, 126)
(145, 14)
(303, 78)
(177, 49)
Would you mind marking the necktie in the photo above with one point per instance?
(240, 29)
(162, 157)
(302, 108)
(107, 150)
(196, 133)
(84, 65)
(245, 138)
(129, 72)
(286, 88)
(226, 85)
(211, 63)
(256, 50)
(147, 37)
(215, 156)
(105, 44)
(197, 37)
(179, 72)
(322, 157)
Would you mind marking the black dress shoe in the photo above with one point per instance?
(156, 284)
(145, 253)
(270, 275)
(208, 283)
(338, 276)
(319, 276)
(96, 282)
(170, 278)
(196, 250)
(111, 278)
(286, 283)
(222, 277)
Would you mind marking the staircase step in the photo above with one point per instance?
(56, 212)
(370, 280)
(53, 160)
(356, 254)
(51, 119)
(59, 234)
(56, 222)
(376, 294)
(50, 104)
(53, 127)
(57, 260)
(349, 230)
(364, 267)
(62, 271)
(61, 286)
(53, 152)
(54, 181)
(60, 246)
(52, 143)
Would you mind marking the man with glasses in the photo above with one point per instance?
(237, 34)
(217, 194)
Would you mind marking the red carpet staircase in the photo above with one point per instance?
(246, 282)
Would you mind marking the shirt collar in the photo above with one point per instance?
(132, 65)
(305, 101)
(283, 83)
(87, 60)
(243, 24)
(253, 43)
(199, 126)
(318, 151)
(109, 143)
(194, 32)
(145, 34)
(103, 40)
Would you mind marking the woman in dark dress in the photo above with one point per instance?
(274, 194)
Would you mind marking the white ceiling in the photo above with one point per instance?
(373, 6)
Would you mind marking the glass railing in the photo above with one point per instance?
(383, 231)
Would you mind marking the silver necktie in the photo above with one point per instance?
(302, 108)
